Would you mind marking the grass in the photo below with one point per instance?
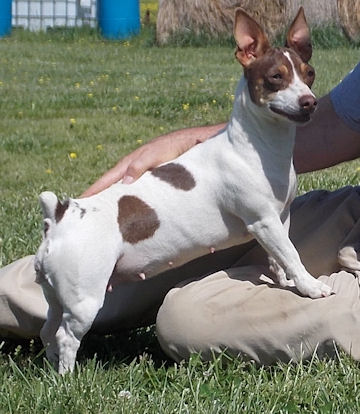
(73, 93)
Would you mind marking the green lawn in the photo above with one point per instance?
(69, 93)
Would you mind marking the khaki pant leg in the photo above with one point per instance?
(23, 307)
(241, 310)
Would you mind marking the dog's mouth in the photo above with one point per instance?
(300, 117)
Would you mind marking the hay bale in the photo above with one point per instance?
(216, 17)
(349, 14)
(318, 13)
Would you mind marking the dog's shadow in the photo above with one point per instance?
(107, 350)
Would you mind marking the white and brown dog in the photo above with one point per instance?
(234, 187)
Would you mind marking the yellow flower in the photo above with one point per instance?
(73, 155)
(99, 147)
(49, 171)
(139, 141)
(77, 85)
(90, 95)
(358, 169)
(214, 101)
(185, 106)
(201, 80)
(91, 83)
(72, 121)
(114, 108)
(161, 128)
(136, 98)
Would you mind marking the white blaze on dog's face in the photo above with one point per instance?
(279, 79)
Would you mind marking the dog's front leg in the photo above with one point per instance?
(271, 234)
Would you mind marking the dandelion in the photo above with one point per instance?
(126, 44)
(136, 98)
(125, 394)
(214, 101)
(73, 155)
(185, 106)
(90, 95)
(232, 97)
(201, 80)
(1, 83)
(72, 122)
(91, 83)
(161, 128)
(20, 114)
(99, 147)
(358, 169)
(77, 85)
(139, 141)
(114, 108)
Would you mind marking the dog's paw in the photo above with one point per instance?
(314, 289)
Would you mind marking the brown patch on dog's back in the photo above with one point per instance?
(60, 210)
(176, 175)
(137, 220)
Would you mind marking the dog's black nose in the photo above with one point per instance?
(308, 104)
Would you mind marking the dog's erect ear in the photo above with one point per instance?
(250, 38)
(298, 36)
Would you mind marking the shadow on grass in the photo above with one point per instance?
(109, 350)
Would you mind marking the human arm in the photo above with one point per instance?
(333, 136)
(159, 150)
(325, 141)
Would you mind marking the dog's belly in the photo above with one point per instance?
(170, 249)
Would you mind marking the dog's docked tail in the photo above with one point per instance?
(51, 207)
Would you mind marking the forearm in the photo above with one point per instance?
(159, 150)
(325, 141)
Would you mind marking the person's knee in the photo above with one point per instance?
(179, 323)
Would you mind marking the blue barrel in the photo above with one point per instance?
(118, 19)
(5, 17)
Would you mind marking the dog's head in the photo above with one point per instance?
(279, 79)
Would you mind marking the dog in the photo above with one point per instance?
(226, 191)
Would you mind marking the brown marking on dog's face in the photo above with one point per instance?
(60, 210)
(137, 220)
(176, 175)
(273, 72)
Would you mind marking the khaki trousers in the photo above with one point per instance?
(240, 310)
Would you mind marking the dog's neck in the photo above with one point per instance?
(257, 126)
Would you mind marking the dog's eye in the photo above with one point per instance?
(311, 73)
(277, 76)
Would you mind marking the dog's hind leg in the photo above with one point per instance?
(51, 325)
(76, 322)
